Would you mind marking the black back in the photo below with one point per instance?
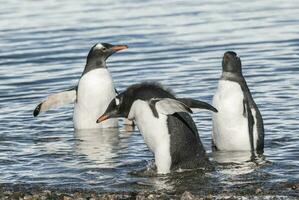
(186, 148)
(143, 91)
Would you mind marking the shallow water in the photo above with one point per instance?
(178, 43)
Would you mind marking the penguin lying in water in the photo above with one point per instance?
(238, 125)
(93, 93)
(165, 124)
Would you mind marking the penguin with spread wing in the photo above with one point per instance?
(93, 93)
(165, 124)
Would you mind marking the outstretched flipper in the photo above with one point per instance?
(167, 106)
(175, 107)
(55, 101)
(192, 103)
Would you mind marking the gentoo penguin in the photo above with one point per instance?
(238, 125)
(164, 122)
(93, 93)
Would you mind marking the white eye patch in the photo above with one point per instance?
(117, 101)
(99, 46)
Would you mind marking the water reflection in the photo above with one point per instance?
(99, 145)
(231, 157)
(234, 163)
(237, 163)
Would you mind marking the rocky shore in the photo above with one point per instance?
(18, 192)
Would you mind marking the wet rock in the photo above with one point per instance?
(151, 197)
(140, 196)
(146, 196)
(258, 190)
(27, 197)
(295, 186)
(67, 198)
(187, 196)
(36, 197)
(93, 197)
(7, 193)
(17, 195)
(210, 196)
(109, 197)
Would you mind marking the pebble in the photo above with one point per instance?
(27, 197)
(187, 196)
(258, 190)
(67, 198)
(295, 186)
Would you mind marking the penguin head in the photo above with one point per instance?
(231, 62)
(99, 53)
(119, 107)
(122, 104)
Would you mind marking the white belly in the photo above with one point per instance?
(230, 127)
(95, 91)
(155, 134)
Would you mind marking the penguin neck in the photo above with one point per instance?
(236, 76)
(91, 66)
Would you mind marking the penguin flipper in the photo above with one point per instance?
(260, 132)
(256, 120)
(192, 103)
(248, 114)
(167, 106)
(55, 101)
(152, 105)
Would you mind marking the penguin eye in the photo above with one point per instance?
(104, 49)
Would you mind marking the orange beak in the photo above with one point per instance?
(119, 47)
(102, 118)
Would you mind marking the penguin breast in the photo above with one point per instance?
(95, 87)
(230, 126)
(95, 91)
(155, 133)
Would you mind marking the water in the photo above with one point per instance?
(178, 43)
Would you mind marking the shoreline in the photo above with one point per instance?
(20, 192)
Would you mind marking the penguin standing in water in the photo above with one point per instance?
(238, 125)
(164, 122)
(93, 93)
